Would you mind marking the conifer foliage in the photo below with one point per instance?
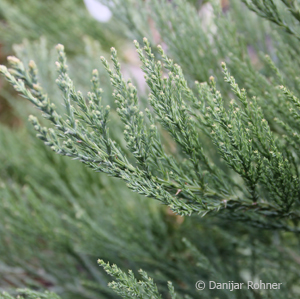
(240, 133)
(234, 125)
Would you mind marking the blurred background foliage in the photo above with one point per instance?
(58, 217)
(59, 21)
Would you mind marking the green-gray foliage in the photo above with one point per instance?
(28, 294)
(284, 13)
(226, 147)
(60, 213)
(241, 135)
(58, 20)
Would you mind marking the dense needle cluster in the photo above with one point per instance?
(212, 138)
